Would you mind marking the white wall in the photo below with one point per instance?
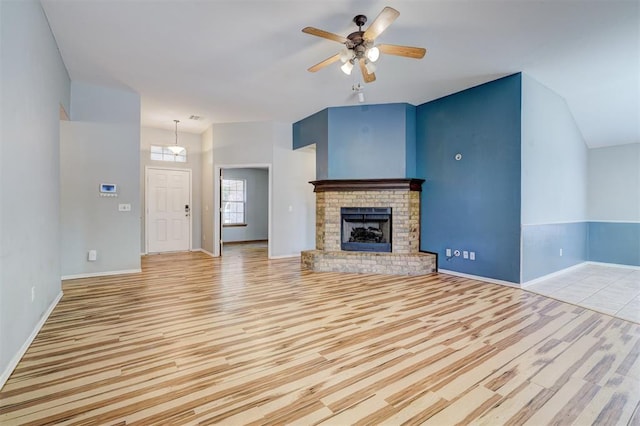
(614, 183)
(103, 147)
(243, 143)
(207, 210)
(192, 142)
(90, 102)
(91, 154)
(251, 144)
(554, 158)
(256, 207)
(294, 202)
(34, 82)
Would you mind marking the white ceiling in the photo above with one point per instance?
(240, 60)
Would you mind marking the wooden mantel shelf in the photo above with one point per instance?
(341, 185)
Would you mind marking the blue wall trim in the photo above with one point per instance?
(613, 242)
(541, 246)
(473, 204)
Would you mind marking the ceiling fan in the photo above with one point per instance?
(359, 45)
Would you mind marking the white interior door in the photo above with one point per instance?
(168, 210)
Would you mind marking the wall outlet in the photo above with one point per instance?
(448, 252)
(472, 255)
(456, 253)
(92, 256)
(204, 237)
(465, 254)
(560, 252)
(33, 294)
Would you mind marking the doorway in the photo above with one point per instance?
(168, 210)
(256, 179)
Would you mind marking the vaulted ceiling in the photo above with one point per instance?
(240, 60)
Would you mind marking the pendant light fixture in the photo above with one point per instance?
(176, 149)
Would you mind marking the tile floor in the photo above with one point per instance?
(607, 289)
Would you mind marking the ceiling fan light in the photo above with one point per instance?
(346, 55)
(371, 67)
(373, 54)
(347, 67)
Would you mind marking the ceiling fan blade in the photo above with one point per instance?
(382, 21)
(324, 63)
(406, 51)
(368, 78)
(324, 34)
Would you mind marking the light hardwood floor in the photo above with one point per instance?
(244, 340)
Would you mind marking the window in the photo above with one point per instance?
(233, 201)
(162, 153)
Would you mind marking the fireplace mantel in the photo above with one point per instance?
(344, 185)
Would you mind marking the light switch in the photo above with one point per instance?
(124, 207)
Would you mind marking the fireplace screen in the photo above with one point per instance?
(366, 229)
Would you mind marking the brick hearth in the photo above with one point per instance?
(402, 195)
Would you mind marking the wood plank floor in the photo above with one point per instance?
(245, 340)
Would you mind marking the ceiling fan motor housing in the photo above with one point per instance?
(357, 43)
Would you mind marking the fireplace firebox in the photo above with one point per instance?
(366, 229)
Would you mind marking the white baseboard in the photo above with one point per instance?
(205, 252)
(285, 256)
(553, 274)
(615, 265)
(18, 356)
(101, 274)
(578, 265)
(479, 278)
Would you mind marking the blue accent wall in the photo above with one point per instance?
(368, 141)
(472, 204)
(361, 142)
(541, 246)
(614, 242)
(315, 130)
(410, 136)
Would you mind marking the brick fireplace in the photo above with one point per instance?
(401, 196)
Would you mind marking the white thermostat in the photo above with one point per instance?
(108, 190)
